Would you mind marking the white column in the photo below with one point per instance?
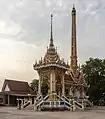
(39, 86)
(63, 86)
(51, 79)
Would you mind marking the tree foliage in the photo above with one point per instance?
(34, 85)
(44, 87)
(94, 74)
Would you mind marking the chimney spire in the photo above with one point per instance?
(73, 42)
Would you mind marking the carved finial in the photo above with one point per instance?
(47, 47)
(79, 66)
(67, 62)
(56, 49)
(41, 60)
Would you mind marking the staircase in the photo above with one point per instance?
(75, 104)
(58, 104)
(66, 101)
(39, 103)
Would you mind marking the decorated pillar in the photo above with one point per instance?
(63, 85)
(52, 82)
(52, 85)
(39, 86)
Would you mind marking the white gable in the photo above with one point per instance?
(6, 88)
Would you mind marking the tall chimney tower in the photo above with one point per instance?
(73, 64)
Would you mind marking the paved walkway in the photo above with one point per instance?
(13, 113)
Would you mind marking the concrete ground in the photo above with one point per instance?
(13, 113)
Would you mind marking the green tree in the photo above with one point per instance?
(34, 85)
(44, 88)
(94, 74)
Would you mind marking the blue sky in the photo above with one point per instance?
(25, 33)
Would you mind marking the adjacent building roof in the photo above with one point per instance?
(15, 86)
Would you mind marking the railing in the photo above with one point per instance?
(38, 98)
(65, 98)
(40, 103)
(91, 104)
(26, 104)
(79, 105)
(67, 104)
(62, 103)
(53, 104)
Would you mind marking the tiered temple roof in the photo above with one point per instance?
(51, 57)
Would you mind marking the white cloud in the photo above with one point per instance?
(25, 32)
(9, 29)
